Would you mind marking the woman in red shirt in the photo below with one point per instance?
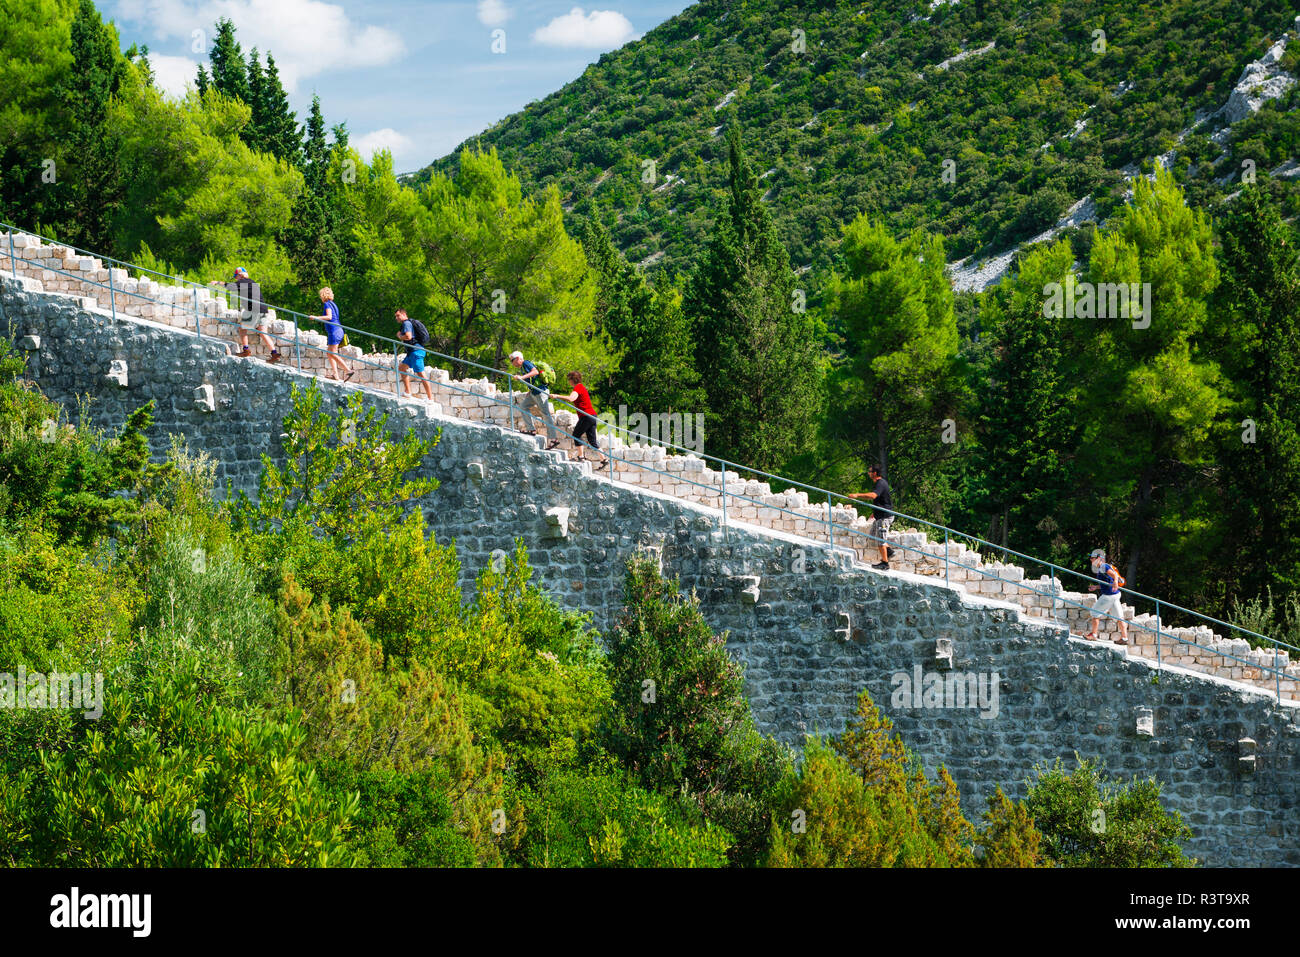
(586, 426)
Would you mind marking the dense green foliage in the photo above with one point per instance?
(1088, 821)
(856, 116)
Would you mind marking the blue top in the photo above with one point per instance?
(412, 347)
(1102, 575)
(526, 368)
(332, 312)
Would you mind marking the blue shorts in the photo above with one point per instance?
(333, 333)
(414, 360)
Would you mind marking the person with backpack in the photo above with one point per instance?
(1107, 602)
(539, 378)
(413, 331)
(252, 310)
(584, 433)
(882, 510)
(333, 336)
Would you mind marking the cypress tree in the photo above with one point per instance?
(1259, 308)
(280, 133)
(229, 72)
(756, 352)
(647, 326)
(90, 188)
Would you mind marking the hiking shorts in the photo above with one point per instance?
(414, 360)
(880, 527)
(1107, 606)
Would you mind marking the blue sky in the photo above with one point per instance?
(415, 76)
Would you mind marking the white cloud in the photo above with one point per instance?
(307, 37)
(598, 30)
(492, 13)
(386, 139)
(173, 74)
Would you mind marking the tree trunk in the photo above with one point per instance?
(1143, 507)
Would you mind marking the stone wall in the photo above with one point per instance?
(812, 626)
(1191, 645)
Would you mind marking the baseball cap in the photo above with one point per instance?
(241, 271)
(1097, 553)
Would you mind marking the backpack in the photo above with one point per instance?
(1120, 582)
(545, 373)
(420, 332)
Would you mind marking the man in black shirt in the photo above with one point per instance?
(882, 509)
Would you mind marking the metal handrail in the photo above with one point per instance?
(1021, 584)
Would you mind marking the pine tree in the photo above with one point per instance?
(315, 150)
(647, 326)
(895, 383)
(202, 82)
(255, 132)
(1152, 395)
(280, 133)
(229, 72)
(1259, 307)
(310, 239)
(757, 349)
(1027, 432)
(90, 186)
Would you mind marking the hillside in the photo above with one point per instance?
(1034, 113)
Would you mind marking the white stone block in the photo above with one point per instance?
(117, 374)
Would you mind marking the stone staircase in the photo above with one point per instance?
(656, 469)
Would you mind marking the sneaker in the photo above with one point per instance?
(883, 566)
(274, 356)
(244, 353)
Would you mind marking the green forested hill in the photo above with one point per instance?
(864, 118)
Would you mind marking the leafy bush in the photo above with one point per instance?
(1089, 821)
(681, 723)
(203, 615)
(62, 606)
(361, 715)
(597, 818)
(163, 782)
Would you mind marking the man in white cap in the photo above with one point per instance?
(1107, 602)
(538, 396)
(248, 297)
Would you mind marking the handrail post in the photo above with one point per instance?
(297, 345)
(397, 376)
(946, 559)
(726, 533)
(13, 262)
(198, 323)
(510, 380)
(830, 520)
(1158, 661)
(1052, 587)
(112, 294)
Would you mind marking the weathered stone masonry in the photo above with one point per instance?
(811, 628)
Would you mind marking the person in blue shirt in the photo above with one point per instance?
(538, 396)
(333, 335)
(1107, 602)
(413, 361)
